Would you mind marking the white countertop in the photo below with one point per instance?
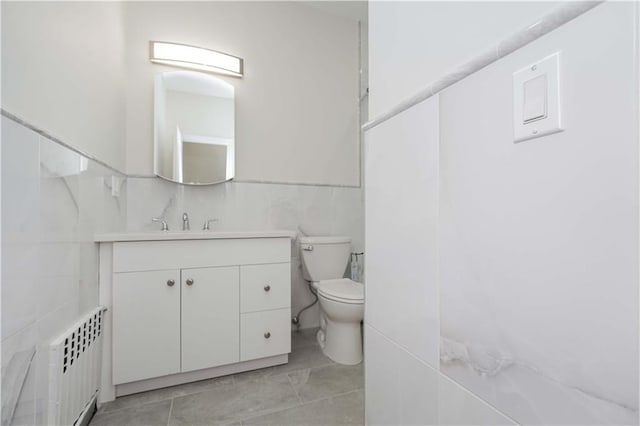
(190, 235)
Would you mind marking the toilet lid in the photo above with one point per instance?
(343, 289)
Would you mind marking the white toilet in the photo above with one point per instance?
(324, 260)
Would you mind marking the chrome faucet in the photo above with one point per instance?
(207, 224)
(165, 227)
(185, 222)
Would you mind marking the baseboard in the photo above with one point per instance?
(88, 412)
(193, 376)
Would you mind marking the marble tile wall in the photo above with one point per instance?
(316, 210)
(53, 201)
(539, 240)
(401, 294)
(533, 283)
(403, 381)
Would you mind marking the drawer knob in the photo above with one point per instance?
(267, 287)
(190, 281)
(267, 335)
(170, 283)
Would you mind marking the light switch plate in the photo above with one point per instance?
(536, 99)
(534, 102)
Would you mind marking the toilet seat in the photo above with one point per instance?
(342, 290)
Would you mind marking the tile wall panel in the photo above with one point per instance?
(53, 201)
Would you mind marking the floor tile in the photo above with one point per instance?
(310, 389)
(234, 403)
(166, 393)
(301, 358)
(304, 337)
(148, 415)
(305, 357)
(262, 374)
(322, 382)
(346, 409)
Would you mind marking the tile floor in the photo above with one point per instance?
(309, 390)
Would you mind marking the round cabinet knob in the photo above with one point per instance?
(267, 335)
(267, 287)
(190, 281)
(170, 283)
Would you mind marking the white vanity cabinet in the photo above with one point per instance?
(190, 309)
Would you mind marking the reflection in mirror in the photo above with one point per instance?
(194, 128)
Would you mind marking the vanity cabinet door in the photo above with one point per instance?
(210, 317)
(146, 325)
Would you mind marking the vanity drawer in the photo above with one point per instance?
(265, 287)
(264, 334)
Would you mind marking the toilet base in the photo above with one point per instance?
(320, 337)
(342, 342)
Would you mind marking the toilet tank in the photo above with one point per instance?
(324, 258)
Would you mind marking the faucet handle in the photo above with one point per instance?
(206, 224)
(165, 227)
(185, 222)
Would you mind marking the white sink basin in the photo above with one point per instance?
(191, 235)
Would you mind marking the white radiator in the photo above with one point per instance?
(74, 370)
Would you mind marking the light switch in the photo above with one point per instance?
(534, 98)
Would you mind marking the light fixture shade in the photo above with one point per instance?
(197, 58)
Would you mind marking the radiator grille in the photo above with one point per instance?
(81, 338)
(74, 368)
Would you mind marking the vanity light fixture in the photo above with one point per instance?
(197, 58)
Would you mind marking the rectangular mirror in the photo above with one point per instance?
(194, 128)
